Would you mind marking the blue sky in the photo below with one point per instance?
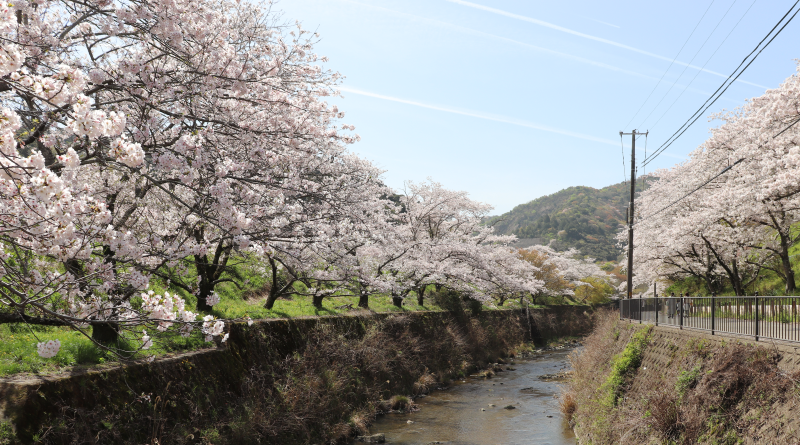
(511, 100)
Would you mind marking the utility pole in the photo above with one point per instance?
(630, 209)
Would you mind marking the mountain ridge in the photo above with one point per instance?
(582, 217)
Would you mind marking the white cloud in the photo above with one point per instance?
(480, 115)
(590, 37)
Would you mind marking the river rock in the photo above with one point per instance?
(375, 438)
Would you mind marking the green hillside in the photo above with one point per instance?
(580, 217)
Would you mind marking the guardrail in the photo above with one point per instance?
(776, 318)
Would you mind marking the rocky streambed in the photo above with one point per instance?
(516, 405)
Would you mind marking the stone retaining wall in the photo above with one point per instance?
(248, 391)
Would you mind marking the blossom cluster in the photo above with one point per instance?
(727, 228)
(49, 349)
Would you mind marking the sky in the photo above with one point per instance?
(511, 100)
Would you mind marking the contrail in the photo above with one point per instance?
(590, 37)
(479, 115)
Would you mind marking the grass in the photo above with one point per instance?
(623, 366)
(687, 379)
(301, 306)
(18, 342)
(18, 350)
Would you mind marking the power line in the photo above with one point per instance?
(670, 65)
(686, 67)
(726, 84)
(698, 188)
(644, 171)
(704, 65)
(720, 173)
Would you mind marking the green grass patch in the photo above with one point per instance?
(687, 380)
(18, 352)
(623, 366)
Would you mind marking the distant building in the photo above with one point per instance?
(524, 243)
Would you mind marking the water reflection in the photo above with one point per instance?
(473, 412)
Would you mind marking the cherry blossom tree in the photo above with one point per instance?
(736, 224)
(148, 127)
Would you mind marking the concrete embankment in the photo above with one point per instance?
(636, 383)
(294, 381)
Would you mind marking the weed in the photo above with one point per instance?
(687, 380)
(624, 366)
(7, 436)
(400, 403)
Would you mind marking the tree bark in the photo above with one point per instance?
(397, 301)
(17, 318)
(421, 295)
(731, 270)
(363, 301)
(788, 272)
(316, 300)
(105, 333)
(273, 288)
(203, 294)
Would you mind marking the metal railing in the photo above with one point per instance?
(776, 318)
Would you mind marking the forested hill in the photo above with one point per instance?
(580, 217)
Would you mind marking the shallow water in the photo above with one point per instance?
(453, 416)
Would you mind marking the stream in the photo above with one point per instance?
(454, 415)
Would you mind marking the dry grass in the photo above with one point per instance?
(707, 395)
(568, 405)
(360, 421)
(425, 384)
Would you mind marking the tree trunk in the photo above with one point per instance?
(421, 295)
(316, 300)
(273, 288)
(397, 301)
(270, 301)
(105, 333)
(788, 272)
(363, 301)
(731, 270)
(202, 296)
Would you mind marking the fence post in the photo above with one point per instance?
(640, 310)
(712, 315)
(680, 310)
(757, 319)
(655, 308)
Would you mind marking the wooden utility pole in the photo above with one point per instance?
(630, 208)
